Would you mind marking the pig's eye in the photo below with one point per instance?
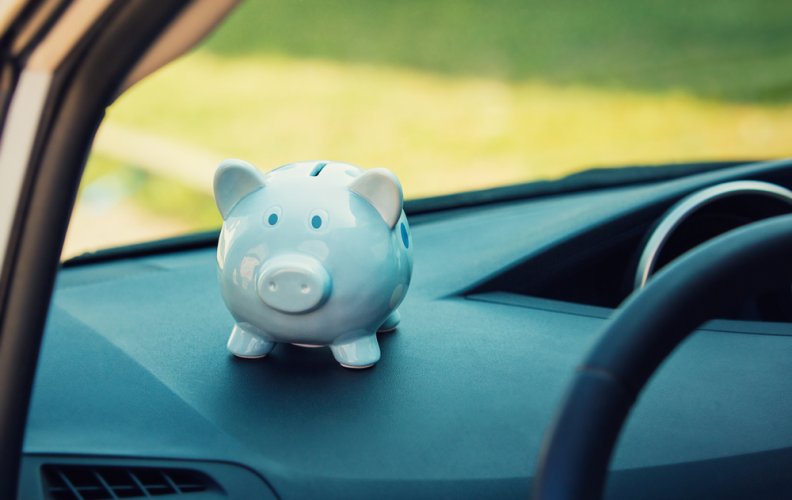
(318, 219)
(272, 216)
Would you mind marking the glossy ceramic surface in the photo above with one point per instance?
(312, 253)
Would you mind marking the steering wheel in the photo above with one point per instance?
(696, 287)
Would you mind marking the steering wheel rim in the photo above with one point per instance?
(696, 287)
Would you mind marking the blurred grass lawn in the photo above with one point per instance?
(456, 95)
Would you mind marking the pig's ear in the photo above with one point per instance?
(381, 188)
(233, 180)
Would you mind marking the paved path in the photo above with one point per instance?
(122, 224)
(186, 163)
(96, 227)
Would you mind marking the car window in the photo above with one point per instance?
(451, 95)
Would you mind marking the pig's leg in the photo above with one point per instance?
(362, 352)
(247, 342)
(391, 322)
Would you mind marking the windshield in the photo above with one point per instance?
(450, 95)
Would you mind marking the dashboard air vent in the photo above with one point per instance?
(78, 482)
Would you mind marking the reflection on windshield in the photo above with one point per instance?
(451, 95)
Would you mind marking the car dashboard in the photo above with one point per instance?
(134, 380)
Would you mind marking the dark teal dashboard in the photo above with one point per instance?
(134, 372)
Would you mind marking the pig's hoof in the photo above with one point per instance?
(390, 323)
(361, 353)
(244, 344)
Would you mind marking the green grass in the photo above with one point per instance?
(455, 94)
(728, 50)
(439, 133)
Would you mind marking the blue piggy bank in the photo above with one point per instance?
(314, 254)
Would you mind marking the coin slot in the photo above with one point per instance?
(318, 169)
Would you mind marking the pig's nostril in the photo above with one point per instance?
(305, 288)
(273, 286)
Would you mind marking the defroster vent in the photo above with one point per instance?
(78, 482)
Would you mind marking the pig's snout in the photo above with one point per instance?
(293, 283)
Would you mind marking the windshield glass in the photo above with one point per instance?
(450, 95)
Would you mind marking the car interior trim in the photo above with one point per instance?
(53, 175)
(691, 204)
(194, 23)
(23, 119)
(9, 12)
(75, 22)
(36, 25)
(16, 144)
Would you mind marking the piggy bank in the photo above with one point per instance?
(314, 254)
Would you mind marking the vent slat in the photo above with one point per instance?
(78, 482)
(170, 482)
(107, 487)
(137, 482)
(69, 486)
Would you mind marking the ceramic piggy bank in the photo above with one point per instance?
(314, 254)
